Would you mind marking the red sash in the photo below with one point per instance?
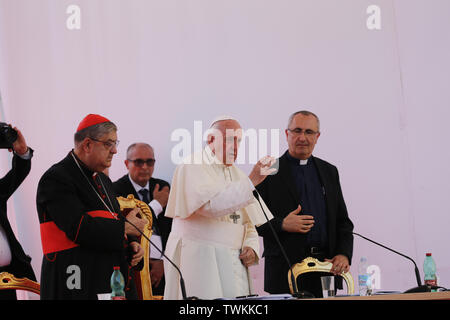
(54, 239)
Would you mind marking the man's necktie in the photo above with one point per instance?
(144, 194)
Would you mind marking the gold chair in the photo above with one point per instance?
(126, 205)
(10, 282)
(310, 264)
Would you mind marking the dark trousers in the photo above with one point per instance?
(159, 290)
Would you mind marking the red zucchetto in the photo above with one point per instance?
(91, 120)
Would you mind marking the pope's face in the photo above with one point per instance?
(227, 138)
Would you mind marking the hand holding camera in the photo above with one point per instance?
(12, 139)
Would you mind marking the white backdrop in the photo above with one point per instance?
(155, 66)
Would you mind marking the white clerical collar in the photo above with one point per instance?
(138, 187)
(297, 161)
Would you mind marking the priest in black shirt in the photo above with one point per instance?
(311, 217)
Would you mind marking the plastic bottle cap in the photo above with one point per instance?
(116, 268)
(428, 254)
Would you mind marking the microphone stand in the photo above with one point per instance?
(420, 287)
(182, 285)
(296, 294)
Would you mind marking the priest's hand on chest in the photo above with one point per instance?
(247, 256)
(296, 222)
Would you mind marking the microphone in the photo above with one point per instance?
(182, 285)
(420, 287)
(296, 294)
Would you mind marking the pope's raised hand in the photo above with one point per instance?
(262, 169)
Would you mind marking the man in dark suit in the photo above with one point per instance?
(311, 217)
(140, 163)
(13, 258)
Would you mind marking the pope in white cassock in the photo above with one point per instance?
(213, 239)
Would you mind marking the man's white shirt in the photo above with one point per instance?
(157, 209)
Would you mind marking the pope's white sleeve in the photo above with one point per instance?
(235, 195)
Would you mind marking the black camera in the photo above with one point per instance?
(7, 136)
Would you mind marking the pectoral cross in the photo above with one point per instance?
(235, 217)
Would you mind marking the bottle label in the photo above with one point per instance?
(362, 279)
(118, 298)
(432, 282)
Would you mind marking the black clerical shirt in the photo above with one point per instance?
(311, 198)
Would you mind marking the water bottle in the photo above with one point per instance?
(117, 285)
(363, 277)
(429, 269)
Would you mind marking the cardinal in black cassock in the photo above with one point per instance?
(82, 231)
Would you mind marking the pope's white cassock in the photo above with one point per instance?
(214, 216)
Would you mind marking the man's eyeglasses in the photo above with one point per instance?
(306, 132)
(108, 144)
(140, 162)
